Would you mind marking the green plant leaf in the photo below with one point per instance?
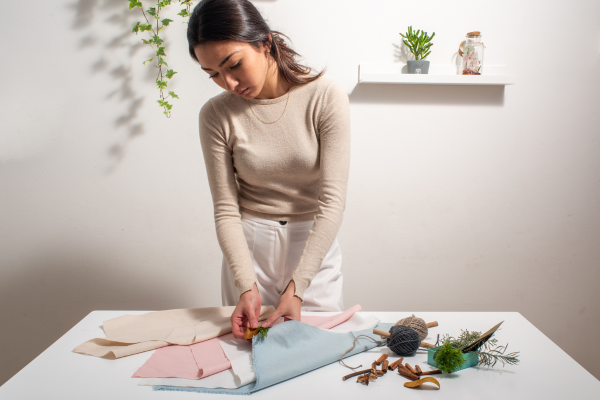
(173, 95)
(148, 60)
(152, 11)
(136, 28)
(157, 40)
(166, 21)
(161, 84)
(145, 27)
(183, 13)
(170, 73)
(134, 3)
(161, 61)
(161, 51)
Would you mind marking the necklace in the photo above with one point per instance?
(264, 122)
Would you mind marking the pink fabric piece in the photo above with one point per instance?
(206, 358)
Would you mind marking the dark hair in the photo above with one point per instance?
(239, 20)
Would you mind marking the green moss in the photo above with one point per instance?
(448, 358)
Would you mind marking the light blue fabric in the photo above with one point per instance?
(294, 348)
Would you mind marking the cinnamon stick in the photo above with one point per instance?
(411, 369)
(418, 369)
(402, 370)
(433, 372)
(380, 359)
(385, 365)
(432, 324)
(355, 373)
(395, 363)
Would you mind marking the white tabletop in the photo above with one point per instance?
(544, 372)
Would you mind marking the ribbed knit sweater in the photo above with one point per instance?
(295, 169)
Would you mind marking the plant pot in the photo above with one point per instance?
(413, 65)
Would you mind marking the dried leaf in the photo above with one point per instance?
(418, 382)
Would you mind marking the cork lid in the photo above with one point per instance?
(474, 34)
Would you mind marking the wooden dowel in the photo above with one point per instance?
(427, 345)
(381, 333)
(355, 373)
(432, 324)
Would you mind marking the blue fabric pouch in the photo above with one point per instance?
(294, 348)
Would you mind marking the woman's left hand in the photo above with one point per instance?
(288, 307)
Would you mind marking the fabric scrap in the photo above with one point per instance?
(291, 349)
(131, 334)
(209, 355)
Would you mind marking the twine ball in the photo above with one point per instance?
(404, 340)
(416, 324)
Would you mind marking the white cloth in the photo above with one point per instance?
(239, 353)
(275, 250)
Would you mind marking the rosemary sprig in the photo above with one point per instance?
(489, 352)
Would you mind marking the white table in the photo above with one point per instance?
(545, 371)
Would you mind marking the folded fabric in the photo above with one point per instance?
(239, 352)
(171, 362)
(293, 348)
(131, 334)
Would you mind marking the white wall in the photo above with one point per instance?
(460, 198)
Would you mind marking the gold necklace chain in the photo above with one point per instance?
(264, 122)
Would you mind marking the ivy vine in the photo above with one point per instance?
(155, 42)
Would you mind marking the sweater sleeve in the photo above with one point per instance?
(218, 157)
(333, 128)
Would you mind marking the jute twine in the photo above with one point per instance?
(354, 344)
(417, 324)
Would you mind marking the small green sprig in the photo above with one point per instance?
(418, 43)
(262, 332)
(156, 42)
(448, 358)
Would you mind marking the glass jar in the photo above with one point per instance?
(471, 51)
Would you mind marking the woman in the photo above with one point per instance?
(276, 145)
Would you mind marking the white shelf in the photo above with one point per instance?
(438, 75)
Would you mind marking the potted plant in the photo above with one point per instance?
(418, 43)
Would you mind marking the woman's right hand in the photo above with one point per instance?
(246, 312)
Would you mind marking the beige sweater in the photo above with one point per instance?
(295, 169)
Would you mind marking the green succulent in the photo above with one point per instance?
(418, 43)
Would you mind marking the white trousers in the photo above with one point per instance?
(275, 250)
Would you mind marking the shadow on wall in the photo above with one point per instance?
(55, 288)
(86, 14)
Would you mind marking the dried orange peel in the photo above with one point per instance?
(250, 333)
(419, 382)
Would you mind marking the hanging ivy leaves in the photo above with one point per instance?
(155, 42)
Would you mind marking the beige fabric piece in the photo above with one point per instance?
(132, 334)
(295, 169)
